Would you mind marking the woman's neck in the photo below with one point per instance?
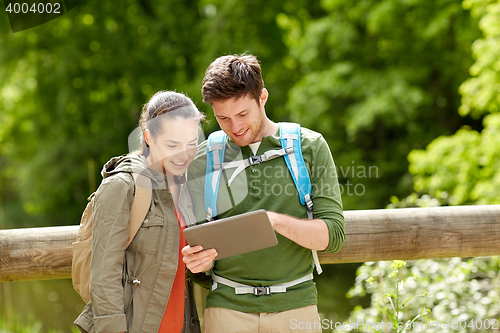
(155, 165)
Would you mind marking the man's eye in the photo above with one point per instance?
(243, 114)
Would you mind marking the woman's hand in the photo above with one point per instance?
(198, 260)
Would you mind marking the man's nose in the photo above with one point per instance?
(236, 126)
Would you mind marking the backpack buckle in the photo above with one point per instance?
(255, 160)
(288, 150)
(309, 203)
(259, 291)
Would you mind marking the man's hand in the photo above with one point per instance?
(311, 234)
(198, 260)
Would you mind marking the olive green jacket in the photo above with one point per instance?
(130, 287)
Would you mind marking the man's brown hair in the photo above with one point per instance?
(232, 76)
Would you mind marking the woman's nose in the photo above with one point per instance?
(184, 154)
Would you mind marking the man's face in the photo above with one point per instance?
(241, 119)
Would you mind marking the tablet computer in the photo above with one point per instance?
(234, 235)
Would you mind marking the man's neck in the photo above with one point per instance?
(270, 128)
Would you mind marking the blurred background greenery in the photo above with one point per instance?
(406, 88)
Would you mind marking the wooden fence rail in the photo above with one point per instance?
(371, 235)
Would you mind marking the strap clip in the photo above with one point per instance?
(255, 160)
(309, 202)
(288, 150)
(259, 291)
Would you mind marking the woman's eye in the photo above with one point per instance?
(171, 146)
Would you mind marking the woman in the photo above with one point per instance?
(142, 287)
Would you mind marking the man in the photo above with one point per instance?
(234, 88)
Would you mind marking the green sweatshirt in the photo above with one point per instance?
(270, 186)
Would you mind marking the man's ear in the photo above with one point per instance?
(263, 97)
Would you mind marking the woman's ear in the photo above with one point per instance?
(148, 137)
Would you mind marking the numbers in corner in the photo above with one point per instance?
(36, 8)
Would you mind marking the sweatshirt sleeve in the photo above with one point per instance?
(326, 194)
(110, 232)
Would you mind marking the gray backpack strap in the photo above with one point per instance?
(241, 165)
(240, 289)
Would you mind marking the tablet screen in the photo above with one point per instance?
(234, 235)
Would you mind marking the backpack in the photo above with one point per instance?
(82, 247)
(291, 150)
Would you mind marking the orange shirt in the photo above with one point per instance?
(173, 319)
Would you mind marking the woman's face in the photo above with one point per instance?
(174, 147)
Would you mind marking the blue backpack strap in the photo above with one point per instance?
(216, 148)
(290, 137)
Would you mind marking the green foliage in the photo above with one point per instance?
(379, 78)
(31, 325)
(455, 290)
(480, 93)
(390, 299)
(39, 306)
(333, 285)
(413, 200)
(465, 165)
(72, 89)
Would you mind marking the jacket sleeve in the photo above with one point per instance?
(326, 194)
(109, 240)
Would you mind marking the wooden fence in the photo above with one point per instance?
(371, 235)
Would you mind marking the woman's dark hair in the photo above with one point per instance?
(168, 105)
